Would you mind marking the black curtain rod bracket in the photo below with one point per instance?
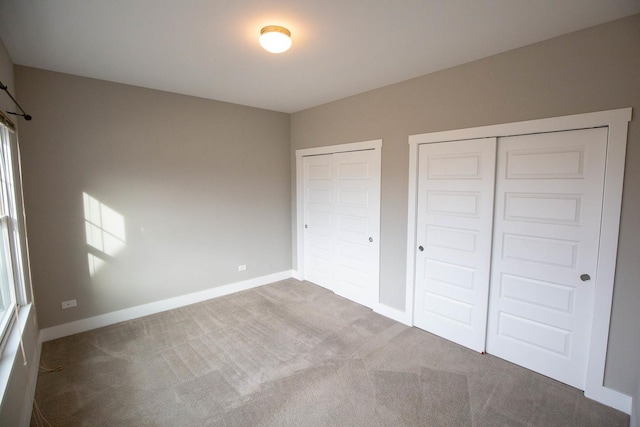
(23, 114)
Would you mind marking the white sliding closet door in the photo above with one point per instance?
(357, 214)
(342, 217)
(547, 226)
(455, 215)
(319, 219)
(556, 216)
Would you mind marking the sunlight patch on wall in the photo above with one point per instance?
(105, 231)
(95, 264)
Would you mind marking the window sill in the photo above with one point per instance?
(12, 353)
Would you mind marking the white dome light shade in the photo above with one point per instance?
(275, 39)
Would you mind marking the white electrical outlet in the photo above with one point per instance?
(69, 304)
(242, 267)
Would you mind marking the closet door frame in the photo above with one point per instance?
(298, 254)
(617, 122)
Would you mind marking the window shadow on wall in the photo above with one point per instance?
(105, 232)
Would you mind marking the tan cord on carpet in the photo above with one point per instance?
(37, 415)
(44, 368)
(40, 420)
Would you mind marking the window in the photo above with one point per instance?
(12, 277)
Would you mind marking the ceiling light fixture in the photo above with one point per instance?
(275, 39)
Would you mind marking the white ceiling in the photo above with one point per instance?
(209, 48)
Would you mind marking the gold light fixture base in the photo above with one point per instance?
(275, 39)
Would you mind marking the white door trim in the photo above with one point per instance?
(617, 122)
(375, 145)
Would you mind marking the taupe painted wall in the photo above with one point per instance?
(203, 187)
(591, 70)
(15, 406)
(6, 77)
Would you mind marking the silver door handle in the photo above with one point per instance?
(370, 239)
(585, 277)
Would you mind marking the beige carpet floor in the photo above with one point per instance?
(292, 354)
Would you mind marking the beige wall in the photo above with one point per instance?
(15, 405)
(203, 186)
(6, 77)
(591, 70)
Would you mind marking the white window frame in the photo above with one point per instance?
(6, 321)
(12, 236)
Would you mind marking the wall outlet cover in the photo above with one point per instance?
(68, 304)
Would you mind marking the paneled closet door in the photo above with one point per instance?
(319, 219)
(454, 223)
(342, 217)
(356, 233)
(546, 238)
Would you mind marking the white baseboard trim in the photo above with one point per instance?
(107, 319)
(296, 275)
(393, 313)
(611, 397)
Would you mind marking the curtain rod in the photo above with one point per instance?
(24, 114)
